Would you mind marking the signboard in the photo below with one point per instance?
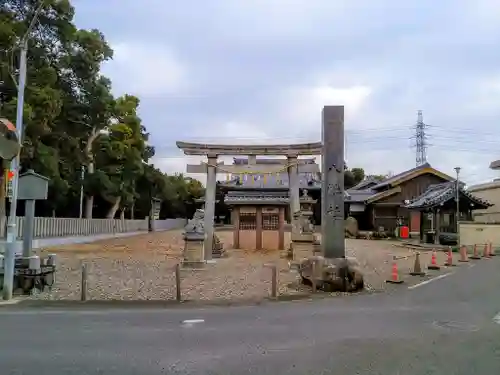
(8, 183)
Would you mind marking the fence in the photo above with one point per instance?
(50, 227)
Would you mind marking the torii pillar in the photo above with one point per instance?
(210, 205)
(332, 190)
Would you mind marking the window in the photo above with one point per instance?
(248, 221)
(270, 221)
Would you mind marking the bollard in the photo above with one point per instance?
(178, 282)
(274, 281)
(84, 282)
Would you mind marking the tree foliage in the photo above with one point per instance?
(72, 119)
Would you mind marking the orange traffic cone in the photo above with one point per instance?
(449, 258)
(394, 273)
(433, 265)
(463, 254)
(492, 250)
(486, 251)
(476, 253)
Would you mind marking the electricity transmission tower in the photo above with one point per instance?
(421, 140)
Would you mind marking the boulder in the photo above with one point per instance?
(351, 227)
(331, 273)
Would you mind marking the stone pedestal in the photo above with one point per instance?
(193, 251)
(302, 246)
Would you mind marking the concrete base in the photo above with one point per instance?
(301, 249)
(193, 251)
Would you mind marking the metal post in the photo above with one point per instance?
(457, 198)
(83, 286)
(82, 177)
(274, 281)
(178, 296)
(10, 251)
(29, 219)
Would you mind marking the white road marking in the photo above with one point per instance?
(496, 318)
(190, 322)
(430, 280)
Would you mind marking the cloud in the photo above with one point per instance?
(146, 69)
(246, 71)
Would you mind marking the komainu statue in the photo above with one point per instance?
(196, 227)
(196, 224)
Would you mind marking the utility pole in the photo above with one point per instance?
(82, 177)
(10, 250)
(457, 197)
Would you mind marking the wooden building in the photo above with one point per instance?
(382, 203)
(258, 219)
(437, 209)
(257, 184)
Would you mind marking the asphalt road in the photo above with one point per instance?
(444, 327)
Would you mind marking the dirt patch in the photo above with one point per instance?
(142, 267)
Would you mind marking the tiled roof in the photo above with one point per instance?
(442, 193)
(261, 197)
(365, 184)
(271, 182)
(358, 196)
(398, 176)
(244, 161)
(256, 197)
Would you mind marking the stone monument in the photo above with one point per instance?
(333, 270)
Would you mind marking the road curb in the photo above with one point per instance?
(171, 304)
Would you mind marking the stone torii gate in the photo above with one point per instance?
(212, 167)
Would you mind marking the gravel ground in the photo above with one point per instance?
(142, 267)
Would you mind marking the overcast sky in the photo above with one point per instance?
(253, 70)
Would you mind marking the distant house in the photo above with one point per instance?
(489, 191)
(374, 203)
(382, 203)
(438, 211)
